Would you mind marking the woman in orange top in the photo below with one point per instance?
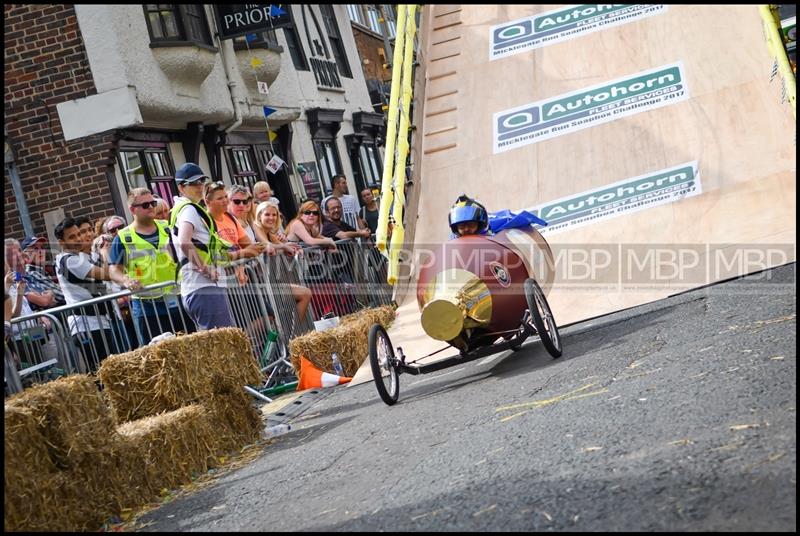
(228, 227)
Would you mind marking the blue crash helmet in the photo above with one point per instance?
(466, 209)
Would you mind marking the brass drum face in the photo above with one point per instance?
(454, 300)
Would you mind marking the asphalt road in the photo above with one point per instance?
(674, 416)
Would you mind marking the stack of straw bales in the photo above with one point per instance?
(349, 339)
(74, 456)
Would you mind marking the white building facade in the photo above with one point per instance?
(173, 92)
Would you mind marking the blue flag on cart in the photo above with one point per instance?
(505, 219)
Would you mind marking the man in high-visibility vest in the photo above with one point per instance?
(199, 250)
(144, 251)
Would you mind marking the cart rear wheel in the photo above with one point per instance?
(542, 317)
(382, 362)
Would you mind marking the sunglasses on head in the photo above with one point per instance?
(146, 204)
(311, 212)
(241, 201)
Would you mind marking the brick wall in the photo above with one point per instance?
(368, 49)
(46, 64)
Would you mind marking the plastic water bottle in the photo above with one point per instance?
(337, 365)
(269, 348)
(276, 430)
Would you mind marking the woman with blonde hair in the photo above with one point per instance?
(267, 230)
(306, 227)
(267, 227)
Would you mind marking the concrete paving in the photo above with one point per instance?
(678, 415)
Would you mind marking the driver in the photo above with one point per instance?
(468, 217)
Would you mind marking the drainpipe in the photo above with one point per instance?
(228, 59)
(16, 184)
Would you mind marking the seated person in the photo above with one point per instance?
(306, 227)
(335, 227)
(467, 217)
(267, 228)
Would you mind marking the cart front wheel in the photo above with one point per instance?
(542, 317)
(382, 362)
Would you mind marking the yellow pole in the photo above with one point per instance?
(398, 234)
(391, 132)
(777, 50)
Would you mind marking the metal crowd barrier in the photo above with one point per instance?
(346, 280)
(81, 335)
(342, 282)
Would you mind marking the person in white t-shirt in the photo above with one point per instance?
(350, 206)
(91, 327)
(199, 250)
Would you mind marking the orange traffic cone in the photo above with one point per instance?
(311, 376)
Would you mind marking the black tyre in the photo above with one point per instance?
(542, 318)
(382, 362)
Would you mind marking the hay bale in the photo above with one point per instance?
(349, 339)
(178, 371)
(30, 475)
(71, 415)
(237, 421)
(175, 444)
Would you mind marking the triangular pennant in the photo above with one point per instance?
(272, 135)
(269, 111)
(276, 11)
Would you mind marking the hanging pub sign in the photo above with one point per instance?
(234, 20)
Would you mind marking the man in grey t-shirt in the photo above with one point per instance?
(350, 204)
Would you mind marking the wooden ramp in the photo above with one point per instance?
(652, 137)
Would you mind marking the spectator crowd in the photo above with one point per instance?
(181, 251)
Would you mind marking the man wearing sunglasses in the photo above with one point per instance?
(144, 251)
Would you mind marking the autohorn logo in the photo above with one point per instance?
(517, 123)
(499, 272)
(514, 34)
(562, 24)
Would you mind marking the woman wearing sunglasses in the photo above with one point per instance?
(228, 226)
(267, 226)
(307, 227)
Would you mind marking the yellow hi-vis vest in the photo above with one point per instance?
(216, 251)
(147, 264)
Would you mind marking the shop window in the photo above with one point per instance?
(370, 164)
(242, 166)
(267, 39)
(150, 168)
(177, 24)
(327, 161)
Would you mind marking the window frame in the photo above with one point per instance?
(240, 176)
(296, 48)
(143, 150)
(320, 155)
(181, 15)
(267, 39)
(336, 41)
